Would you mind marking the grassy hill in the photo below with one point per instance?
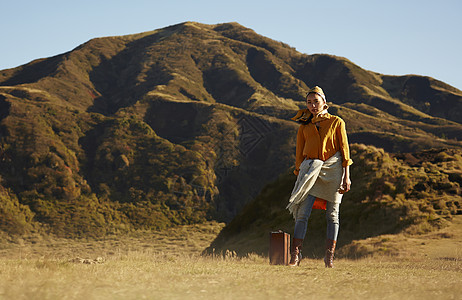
(168, 264)
(405, 193)
(185, 124)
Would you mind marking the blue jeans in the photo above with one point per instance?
(304, 212)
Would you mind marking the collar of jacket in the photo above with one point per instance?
(320, 117)
(302, 115)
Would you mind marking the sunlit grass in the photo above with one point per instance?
(169, 265)
(140, 275)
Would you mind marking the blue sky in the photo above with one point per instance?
(390, 37)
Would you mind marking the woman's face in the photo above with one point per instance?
(315, 103)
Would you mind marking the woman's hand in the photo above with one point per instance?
(346, 182)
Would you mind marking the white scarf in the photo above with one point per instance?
(318, 178)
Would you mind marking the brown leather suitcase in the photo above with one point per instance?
(279, 250)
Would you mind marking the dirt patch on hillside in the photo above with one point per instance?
(443, 244)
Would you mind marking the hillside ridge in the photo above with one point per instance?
(184, 124)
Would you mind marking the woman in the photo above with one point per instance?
(322, 165)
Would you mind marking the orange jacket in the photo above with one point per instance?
(322, 143)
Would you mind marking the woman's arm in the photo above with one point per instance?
(343, 143)
(345, 150)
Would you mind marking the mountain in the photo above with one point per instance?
(184, 124)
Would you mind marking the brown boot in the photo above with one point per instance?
(330, 249)
(296, 253)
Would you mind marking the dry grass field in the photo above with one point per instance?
(168, 265)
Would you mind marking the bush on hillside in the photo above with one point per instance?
(388, 196)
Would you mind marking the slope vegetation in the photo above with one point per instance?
(412, 194)
(184, 124)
